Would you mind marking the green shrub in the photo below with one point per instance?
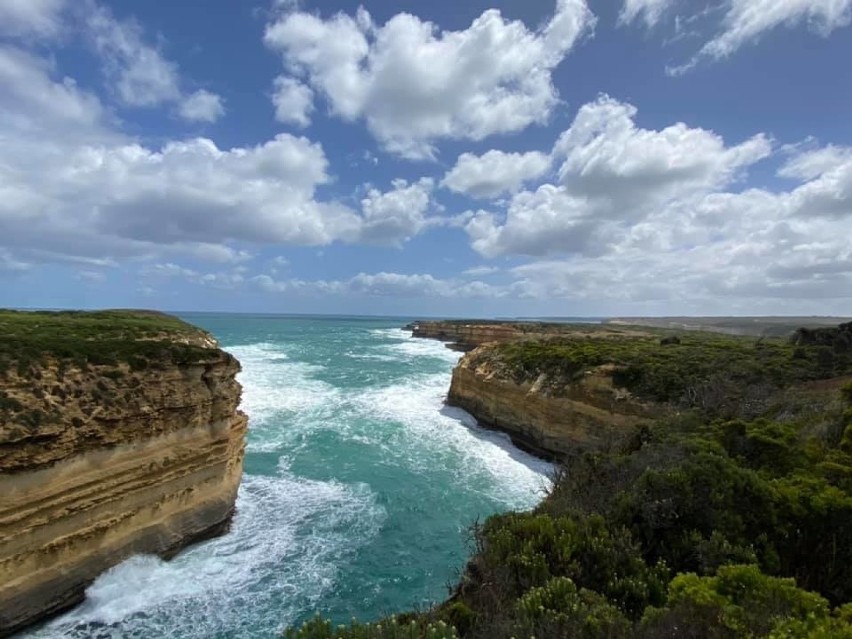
(526, 551)
(319, 628)
(558, 610)
(739, 602)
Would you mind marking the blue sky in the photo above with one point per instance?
(564, 157)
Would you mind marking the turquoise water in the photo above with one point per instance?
(359, 487)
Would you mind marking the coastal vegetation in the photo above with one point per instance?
(83, 338)
(729, 517)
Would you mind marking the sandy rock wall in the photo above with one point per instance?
(111, 462)
(546, 419)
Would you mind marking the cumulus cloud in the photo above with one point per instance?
(607, 157)
(34, 104)
(719, 251)
(293, 101)
(811, 163)
(202, 106)
(194, 191)
(71, 187)
(396, 215)
(612, 173)
(414, 84)
(649, 10)
(745, 21)
(545, 221)
(495, 172)
(137, 72)
(31, 18)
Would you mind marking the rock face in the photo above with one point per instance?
(546, 417)
(128, 461)
(465, 335)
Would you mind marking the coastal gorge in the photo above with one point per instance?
(703, 486)
(119, 434)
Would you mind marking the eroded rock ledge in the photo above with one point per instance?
(546, 416)
(99, 461)
(465, 335)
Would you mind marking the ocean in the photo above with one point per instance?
(360, 488)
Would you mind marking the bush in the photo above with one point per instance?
(558, 610)
(319, 628)
(739, 602)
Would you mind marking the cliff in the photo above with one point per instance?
(119, 434)
(465, 335)
(581, 390)
(544, 413)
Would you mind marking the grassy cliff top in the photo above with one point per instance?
(694, 363)
(138, 338)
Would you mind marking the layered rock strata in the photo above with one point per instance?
(464, 335)
(102, 462)
(547, 417)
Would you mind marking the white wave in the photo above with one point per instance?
(391, 333)
(432, 430)
(371, 356)
(406, 347)
(288, 540)
(276, 390)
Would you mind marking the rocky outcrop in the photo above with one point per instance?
(465, 335)
(101, 462)
(545, 416)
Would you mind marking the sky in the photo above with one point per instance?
(498, 158)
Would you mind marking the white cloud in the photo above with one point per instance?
(546, 221)
(72, 188)
(139, 74)
(812, 163)
(754, 251)
(34, 104)
(293, 101)
(613, 173)
(495, 172)
(828, 191)
(747, 20)
(383, 285)
(202, 106)
(414, 84)
(607, 157)
(222, 279)
(27, 18)
(480, 271)
(396, 215)
(650, 10)
(194, 191)
(218, 253)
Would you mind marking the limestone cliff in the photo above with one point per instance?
(465, 335)
(137, 448)
(546, 415)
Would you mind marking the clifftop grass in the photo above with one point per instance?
(140, 339)
(687, 372)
